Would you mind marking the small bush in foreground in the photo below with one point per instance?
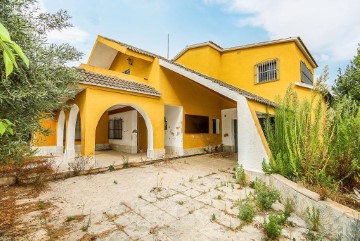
(274, 225)
(240, 175)
(265, 195)
(313, 218)
(246, 211)
(289, 207)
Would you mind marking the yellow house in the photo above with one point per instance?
(207, 97)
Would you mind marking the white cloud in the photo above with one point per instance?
(330, 28)
(69, 35)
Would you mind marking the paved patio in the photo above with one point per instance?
(185, 199)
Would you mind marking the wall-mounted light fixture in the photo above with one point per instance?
(130, 61)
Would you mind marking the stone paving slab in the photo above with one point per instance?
(182, 200)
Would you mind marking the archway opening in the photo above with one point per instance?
(123, 134)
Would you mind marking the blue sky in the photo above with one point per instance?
(329, 28)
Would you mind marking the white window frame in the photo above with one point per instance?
(268, 69)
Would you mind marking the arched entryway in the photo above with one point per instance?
(123, 131)
(60, 130)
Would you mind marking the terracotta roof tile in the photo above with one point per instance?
(92, 78)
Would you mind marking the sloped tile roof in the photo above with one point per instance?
(96, 79)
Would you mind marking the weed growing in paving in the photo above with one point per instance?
(289, 207)
(115, 182)
(111, 168)
(312, 217)
(42, 205)
(69, 218)
(213, 217)
(273, 225)
(180, 202)
(265, 195)
(219, 197)
(240, 175)
(246, 211)
(125, 162)
(86, 226)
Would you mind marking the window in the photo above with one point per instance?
(115, 129)
(267, 71)
(78, 129)
(196, 124)
(127, 71)
(306, 75)
(216, 126)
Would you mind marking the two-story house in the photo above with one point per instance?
(207, 97)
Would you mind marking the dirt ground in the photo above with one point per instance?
(184, 199)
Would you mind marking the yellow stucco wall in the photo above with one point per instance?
(102, 130)
(237, 67)
(196, 100)
(139, 68)
(49, 140)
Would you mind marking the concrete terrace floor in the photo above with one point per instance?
(173, 200)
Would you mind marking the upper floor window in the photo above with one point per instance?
(267, 71)
(306, 75)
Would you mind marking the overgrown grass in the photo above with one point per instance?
(314, 143)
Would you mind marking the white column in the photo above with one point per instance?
(60, 133)
(251, 151)
(70, 137)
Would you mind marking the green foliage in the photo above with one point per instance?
(274, 225)
(9, 47)
(246, 211)
(318, 145)
(33, 91)
(265, 195)
(6, 127)
(289, 207)
(312, 217)
(348, 83)
(240, 175)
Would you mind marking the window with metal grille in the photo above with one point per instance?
(115, 129)
(78, 129)
(267, 71)
(306, 75)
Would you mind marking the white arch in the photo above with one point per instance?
(60, 132)
(70, 137)
(150, 131)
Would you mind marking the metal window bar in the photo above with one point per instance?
(267, 71)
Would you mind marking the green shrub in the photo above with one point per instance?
(274, 225)
(289, 207)
(265, 195)
(246, 211)
(240, 175)
(312, 218)
(315, 144)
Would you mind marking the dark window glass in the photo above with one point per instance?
(115, 129)
(306, 75)
(196, 124)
